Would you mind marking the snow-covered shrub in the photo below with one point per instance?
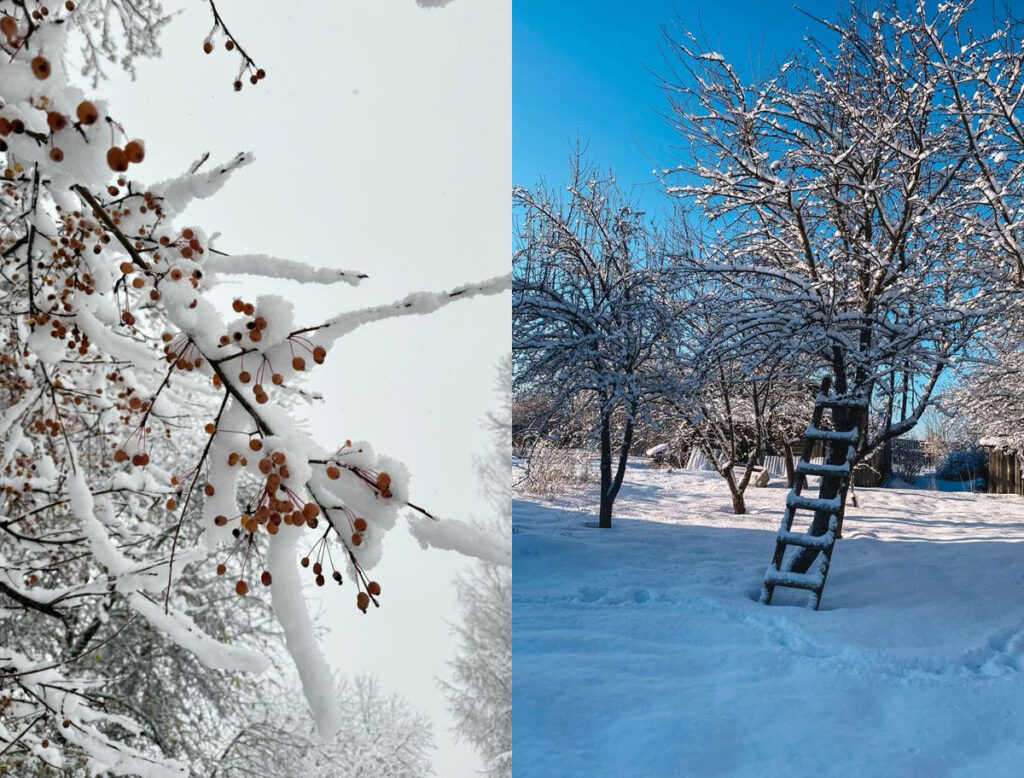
(908, 462)
(963, 465)
(552, 470)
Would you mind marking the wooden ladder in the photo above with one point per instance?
(815, 546)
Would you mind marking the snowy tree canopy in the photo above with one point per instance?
(843, 199)
(589, 307)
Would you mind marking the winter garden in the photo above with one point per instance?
(807, 341)
(200, 546)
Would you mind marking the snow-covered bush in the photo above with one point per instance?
(963, 465)
(552, 470)
(132, 404)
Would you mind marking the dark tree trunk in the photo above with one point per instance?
(843, 419)
(610, 483)
(787, 455)
(739, 506)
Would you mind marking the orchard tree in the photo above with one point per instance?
(133, 405)
(589, 308)
(842, 194)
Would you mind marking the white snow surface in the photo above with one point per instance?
(642, 650)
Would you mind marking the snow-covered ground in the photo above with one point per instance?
(642, 650)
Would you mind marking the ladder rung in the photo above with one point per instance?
(805, 539)
(819, 468)
(848, 436)
(812, 581)
(799, 502)
(839, 401)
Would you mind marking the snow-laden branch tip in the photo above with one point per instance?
(463, 537)
(275, 267)
(415, 304)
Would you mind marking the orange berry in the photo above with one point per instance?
(221, 569)
(319, 355)
(265, 579)
(117, 159)
(255, 444)
(134, 151)
(40, 67)
(357, 539)
(86, 112)
(383, 482)
(9, 27)
(210, 428)
(128, 318)
(171, 504)
(229, 44)
(220, 521)
(57, 155)
(237, 305)
(304, 561)
(241, 588)
(360, 525)
(207, 47)
(298, 363)
(277, 379)
(244, 377)
(310, 510)
(56, 120)
(363, 601)
(333, 473)
(208, 490)
(373, 588)
(120, 455)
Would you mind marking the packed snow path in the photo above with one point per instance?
(642, 650)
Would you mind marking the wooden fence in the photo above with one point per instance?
(1004, 472)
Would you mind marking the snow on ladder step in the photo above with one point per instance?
(848, 436)
(806, 540)
(813, 580)
(839, 401)
(799, 502)
(820, 468)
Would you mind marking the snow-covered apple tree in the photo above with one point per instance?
(144, 430)
(589, 308)
(842, 199)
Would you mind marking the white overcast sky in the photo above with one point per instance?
(382, 136)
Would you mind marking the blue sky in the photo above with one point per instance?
(592, 68)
